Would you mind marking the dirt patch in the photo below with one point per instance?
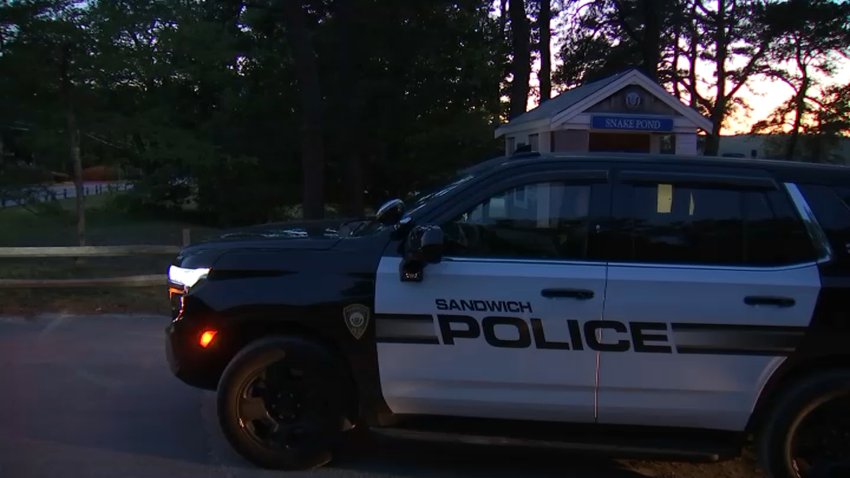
(743, 467)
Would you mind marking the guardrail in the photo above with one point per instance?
(90, 251)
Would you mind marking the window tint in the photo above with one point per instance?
(671, 223)
(675, 224)
(832, 210)
(775, 234)
(535, 221)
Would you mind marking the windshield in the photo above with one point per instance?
(421, 199)
(413, 204)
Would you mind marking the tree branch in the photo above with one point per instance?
(692, 90)
(749, 68)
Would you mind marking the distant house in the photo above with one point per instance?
(626, 112)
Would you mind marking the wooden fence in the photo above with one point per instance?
(90, 251)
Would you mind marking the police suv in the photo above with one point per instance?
(636, 306)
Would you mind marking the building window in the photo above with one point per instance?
(534, 142)
(667, 144)
(511, 144)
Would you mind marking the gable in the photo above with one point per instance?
(608, 96)
(633, 99)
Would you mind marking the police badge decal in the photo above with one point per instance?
(356, 319)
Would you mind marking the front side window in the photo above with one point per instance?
(547, 220)
(686, 224)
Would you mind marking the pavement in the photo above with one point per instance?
(92, 396)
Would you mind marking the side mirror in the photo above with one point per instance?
(390, 212)
(424, 246)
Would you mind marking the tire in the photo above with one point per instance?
(282, 403)
(790, 422)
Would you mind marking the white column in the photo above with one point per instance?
(686, 144)
(654, 143)
(510, 145)
(545, 142)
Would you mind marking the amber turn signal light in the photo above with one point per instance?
(207, 337)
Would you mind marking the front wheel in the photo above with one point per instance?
(807, 434)
(282, 403)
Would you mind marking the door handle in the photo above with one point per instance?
(580, 294)
(769, 300)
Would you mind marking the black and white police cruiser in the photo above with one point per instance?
(636, 306)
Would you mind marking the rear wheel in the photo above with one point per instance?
(808, 432)
(282, 403)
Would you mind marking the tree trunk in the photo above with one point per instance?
(73, 141)
(353, 186)
(76, 160)
(677, 36)
(799, 111)
(312, 141)
(693, 56)
(543, 23)
(521, 65)
(496, 96)
(503, 18)
(651, 45)
(718, 113)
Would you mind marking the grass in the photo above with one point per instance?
(55, 225)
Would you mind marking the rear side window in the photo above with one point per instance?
(687, 224)
(774, 232)
(831, 206)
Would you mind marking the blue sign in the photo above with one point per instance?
(632, 123)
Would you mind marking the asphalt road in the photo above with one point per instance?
(93, 397)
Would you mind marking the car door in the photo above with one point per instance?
(493, 330)
(716, 278)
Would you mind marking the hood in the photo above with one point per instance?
(317, 229)
(316, 234)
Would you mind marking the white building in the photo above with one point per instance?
(626, 112)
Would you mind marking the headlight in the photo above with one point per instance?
(186, 277)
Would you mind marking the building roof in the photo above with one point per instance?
(565, 100)
(576, 100)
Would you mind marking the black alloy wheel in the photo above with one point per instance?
(282, 404)
(820, 443)
(282, 407)
(806, 434)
